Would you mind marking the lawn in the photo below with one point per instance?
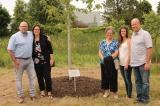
(88, 90)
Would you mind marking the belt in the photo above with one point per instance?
(23, 58)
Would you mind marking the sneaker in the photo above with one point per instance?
(20, 99)
(106, 94)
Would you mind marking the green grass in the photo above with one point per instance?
(84, 48)
(5, 59)
(89, 100)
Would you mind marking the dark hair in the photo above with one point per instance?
(39, 28)
(120, 36)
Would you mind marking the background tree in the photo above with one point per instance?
(119, 9)
(158, 8)
(48, 13)
(116, 24)
(152, 24)
(145, 7)
(4, 21)
(20, 14)
(125, 9)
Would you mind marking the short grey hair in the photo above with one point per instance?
(109, 28)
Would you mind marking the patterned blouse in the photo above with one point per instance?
(39, 58)
(108, 49)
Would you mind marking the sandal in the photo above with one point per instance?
(42, 93)
(50, 95)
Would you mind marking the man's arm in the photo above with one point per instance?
(148, 58)
(16, 63)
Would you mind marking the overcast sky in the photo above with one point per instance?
(10, 4)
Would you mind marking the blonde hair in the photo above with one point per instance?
(109, 28)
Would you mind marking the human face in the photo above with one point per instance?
(109, 35)
(36, 30)
(23, 27)
(123, 33)
(135, 24)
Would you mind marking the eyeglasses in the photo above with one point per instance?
(23, 26)
(36, 29)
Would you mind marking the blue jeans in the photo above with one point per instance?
(27, 65)
(126, 74)
(142, 82)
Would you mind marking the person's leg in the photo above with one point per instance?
(124, 77)
(145, 83)
(47, 77)
(31, 75)
(113, 80)
(138, 82)
(39, 73)
(104, 80)
(19, 74)
(128, 74)
(104, 77)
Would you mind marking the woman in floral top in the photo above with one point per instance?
(108, 53)
(43, 60)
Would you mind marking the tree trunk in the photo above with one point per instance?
(156, 51)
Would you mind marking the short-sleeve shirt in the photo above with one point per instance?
(108, 49)
(21, 44)
(140, 41)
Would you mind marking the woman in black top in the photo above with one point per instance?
(43, 60)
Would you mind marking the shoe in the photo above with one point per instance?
(115, 96)
(144, 101)
(128, 98)
(137, 101)
(42, 94)
(33, 98)
(106, 94)
(20, 99)
(50, 95)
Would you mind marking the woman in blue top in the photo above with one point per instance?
(108, 52)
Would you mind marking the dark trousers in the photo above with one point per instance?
(109, 76)
(43, 72)
(126, 74)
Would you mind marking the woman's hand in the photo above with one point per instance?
(51, 62)
(126, 66)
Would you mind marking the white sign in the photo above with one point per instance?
(74, 73)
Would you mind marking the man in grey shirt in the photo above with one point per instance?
(141, 47)
(20, 50)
